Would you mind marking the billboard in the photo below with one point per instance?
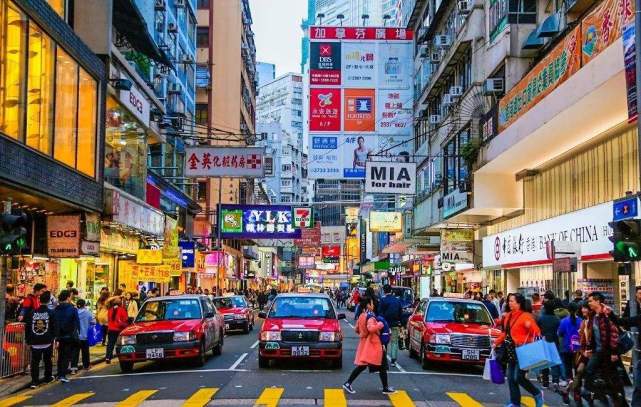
(258, 222)
(385, 222)
(369, 70)
(331, 253)
(390, 178)
(457, 246)
(225, 162)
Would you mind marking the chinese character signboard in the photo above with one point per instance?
(385, 222)
(360, 92)
(63, 235)
(148, 256)
(603, 26)
(258, 222)
(225, 162)
(126, 211)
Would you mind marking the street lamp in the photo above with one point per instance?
(365, 17)
(320, 17)
(386, 18)
(341, 17)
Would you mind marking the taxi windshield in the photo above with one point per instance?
(464, 312)
(169, 310)
(301, 307)
(230, 302)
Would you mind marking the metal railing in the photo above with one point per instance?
(14, 351)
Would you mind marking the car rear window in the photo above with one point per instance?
(464, 312)
(230, 302)
(301, 307)
(168, 310)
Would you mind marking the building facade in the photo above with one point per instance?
(266, 73)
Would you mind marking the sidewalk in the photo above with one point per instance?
(14, 384)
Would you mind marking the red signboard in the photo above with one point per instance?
(310, 239)
(360, 33)
(324, 109)
(331, 251)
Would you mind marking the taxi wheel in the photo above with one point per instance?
(423, 359)
(263, 363)
(218, 349)
(202, 356)
(126, 367)
(413, 354)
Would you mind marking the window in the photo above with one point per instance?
(202, 37)
(40, 90)
(286, 167)
(503, 12)
(456, 169)
(202, 114)
(87, 99)
(59, 6)
(66, 109)
(12, 69)
(203, 4)
(202, 191)
(285, 182)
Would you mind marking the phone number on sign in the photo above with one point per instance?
(326, 170)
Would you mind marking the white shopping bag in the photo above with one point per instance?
(487, 374)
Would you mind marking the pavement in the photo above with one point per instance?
(234, 379)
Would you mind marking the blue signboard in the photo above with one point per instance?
(625, 208)
(187, 253)
(258, 222)
(324, 143)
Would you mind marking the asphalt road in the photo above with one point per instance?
(234, 379)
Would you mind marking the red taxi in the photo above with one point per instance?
(451, 330)
(175, 327)
(238, 315)
(301, 326)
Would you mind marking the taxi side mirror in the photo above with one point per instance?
(262, 314)
(341, 316)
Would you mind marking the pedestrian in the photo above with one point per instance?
(578, 297)
(369, 292)
(549, 324)
(32, 301)
(568, 332)
(370, 351)
(131, 305)
(495, 300)
(604, 359)
(586, 347)
(142, 295)
(40, 333)
(67, 327)
(566, 298)
(153, 293)
(501, 297)
(537, 304)
(628, 322)
(390, 308)
(74, 295)
(434, 292)
(118, 321)
(519, 328)
(489, 304)
(86, 318)
(12, 303)
(560, 310)
(102, 314)
(122, 287)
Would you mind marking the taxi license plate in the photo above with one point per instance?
(300, 350)
(155, 353)
(471, 354)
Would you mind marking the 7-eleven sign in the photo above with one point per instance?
(303, 217)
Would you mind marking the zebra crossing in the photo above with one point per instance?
(269, 397)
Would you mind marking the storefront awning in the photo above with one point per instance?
(131, 24)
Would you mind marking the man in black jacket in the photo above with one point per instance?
(39, 327)
(67, 330)
(391, 309)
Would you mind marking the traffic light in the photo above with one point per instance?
(13, 233)
(626, 239)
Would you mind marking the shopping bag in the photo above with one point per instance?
(537, 355)
(496, 372)
(553, 354)
(487, 370)
(94, 334)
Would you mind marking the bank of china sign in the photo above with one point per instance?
(390, 178)
(527, 244)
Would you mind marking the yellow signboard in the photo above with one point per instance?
(385, 222)
(148, 256)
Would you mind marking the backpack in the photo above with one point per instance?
(386, 332)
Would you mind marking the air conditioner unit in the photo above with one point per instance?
(179, 3)
(175, 88)
(464, 7)
(448, 99)
(424, 52)
(160, 5)
(172, 28)
(494, 85)
(456, 91)
(186, 59)
(439, 203)
(435, 119)
(435, 57)
(442, 41)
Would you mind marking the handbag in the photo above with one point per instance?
(539, 354)
(94, 335)
(487, 370)
(496, 372)
(506, 353)
(625, 342)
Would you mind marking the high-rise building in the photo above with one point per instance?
(266, 73)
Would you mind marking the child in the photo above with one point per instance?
(86, 319)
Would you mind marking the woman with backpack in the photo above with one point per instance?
(118, 321)
(570, 344)
(370, 351)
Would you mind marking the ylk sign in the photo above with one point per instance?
(303, 217)
(258, 222)
(390, 178)
(225, 162)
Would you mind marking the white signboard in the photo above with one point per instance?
(130, 213)
(225, 162)
(454, 203)
(527, 244)
(340, 156)
(359, 64)
(457, 246)
(395, 64)
(394, 112)
(136, 103)
(390, 178)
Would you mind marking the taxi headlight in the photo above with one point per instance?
(270, 336)
(184, 336)
(441, 339)
(128, 339)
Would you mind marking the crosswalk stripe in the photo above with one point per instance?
(334, 398)
(401, 399)
(270, 397)
(70, 401)
(201, 397)
(464, 400)
(12, 401)
(136, 399)
(528, 401)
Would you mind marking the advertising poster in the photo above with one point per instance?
(398, 148)
(258, 222)
(394, 112)
(225, 162)
(360, 110)
(603, 26)
(325, 63)
(359, 64)
(395, 61)
(457, 246)
(385, 222)
(340, 156)
(324, 109)
(629, 61)
(63, 235)
(331, 253)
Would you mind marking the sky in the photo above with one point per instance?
(277, 32)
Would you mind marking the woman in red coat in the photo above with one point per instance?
(118, 319)
(370, 351)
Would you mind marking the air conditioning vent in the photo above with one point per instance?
(448, 99)
(435, 57)
(442, 41)
(456, 91)
(160, 5)
(175, 88)
(464, 7)
(494, 86)
(172, 28)
(435, 119)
